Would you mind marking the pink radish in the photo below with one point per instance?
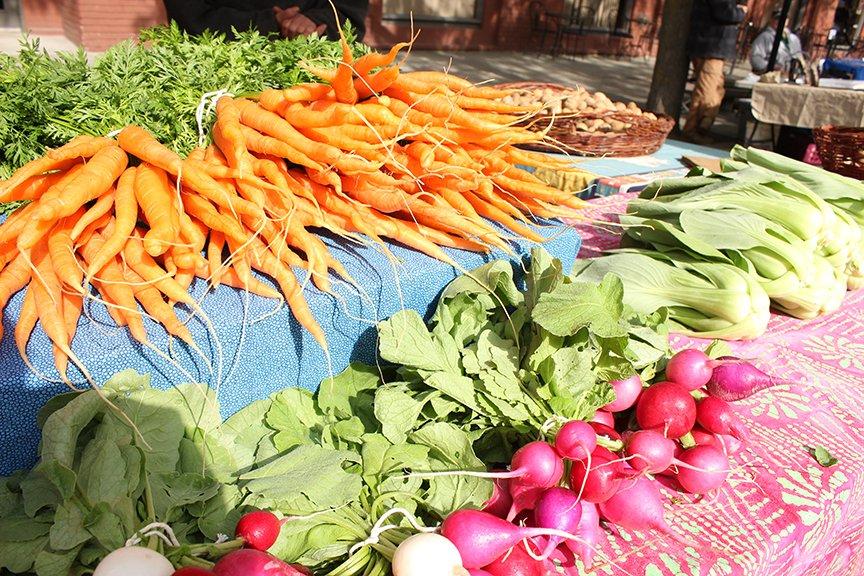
(716, 416)
(589, 531)
(427, 554)
(251, 562)
(626, 393)
(651, 451)
(668, 407)
(559, 509)
(516, 562)
(481, 537)
(500, 502)
(738, 379)
(639, 506)
(596, 479)
(702, 469)
(691, 368)
(536, 464)
(604, 417)
(478, 572)
(575, 440)
(258, 529)
(192, 571)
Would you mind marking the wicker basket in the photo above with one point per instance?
(644, 135)
(841, 150)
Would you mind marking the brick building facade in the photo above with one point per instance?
(609, 27)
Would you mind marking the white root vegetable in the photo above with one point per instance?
(427, 554)
(134, 561)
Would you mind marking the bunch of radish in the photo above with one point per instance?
(549, 505)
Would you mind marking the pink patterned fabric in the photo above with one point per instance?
(780, 513)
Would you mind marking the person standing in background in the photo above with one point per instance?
(289, 18)
(713, 40)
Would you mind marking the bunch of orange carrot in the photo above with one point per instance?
(424, 158)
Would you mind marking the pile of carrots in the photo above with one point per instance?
(424, 158)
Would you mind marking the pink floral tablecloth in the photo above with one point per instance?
(781, 513)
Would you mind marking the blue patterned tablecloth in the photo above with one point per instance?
(262, 351)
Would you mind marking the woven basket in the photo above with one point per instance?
(644, 136)
(841, 150)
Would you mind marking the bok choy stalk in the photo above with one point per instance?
(705, 299)
(779, 260)
(845, 195)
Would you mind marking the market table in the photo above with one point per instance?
(807, 106)
(263, 349)
(780, 513)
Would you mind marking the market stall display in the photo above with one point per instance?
(493, 425)
(584, 124)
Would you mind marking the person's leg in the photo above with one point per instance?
(694, 115)
(715, 88)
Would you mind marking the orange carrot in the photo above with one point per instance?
(92, 181)
(62, 252)
(102, 206)
(125, 216)
(13, 278)
(79, 147)
(152, 302)
(154, 195)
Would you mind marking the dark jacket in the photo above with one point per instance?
(714, 29)
(195, 16)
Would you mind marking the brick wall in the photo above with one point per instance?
(41, 16)
(98, 24)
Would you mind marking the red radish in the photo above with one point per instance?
(626, 393)
(478, 572)
(589, 531)
(192, 571)
(500, 502)
(427, 554)
(559, 509)
(691, 368)
(639, 506)
(134, 561)
(536, 464)
(702, 469)
(596, 479)
(302, 569)
(717, 417)
(668, 407)
(604, 430)
(738, 379)
(516, 562)
(251, 562)
(482, 537)
(651, 451)
(575, 440)
(258, 529)
(604, 417)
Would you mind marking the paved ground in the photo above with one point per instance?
(621, 79)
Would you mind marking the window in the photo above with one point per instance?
(602, 15)
(444, 11)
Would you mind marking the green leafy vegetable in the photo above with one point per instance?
(157, 83)
(822, 456)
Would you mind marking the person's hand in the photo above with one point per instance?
(292, 23)
(744, 8)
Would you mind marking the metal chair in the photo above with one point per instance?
(542, 23)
